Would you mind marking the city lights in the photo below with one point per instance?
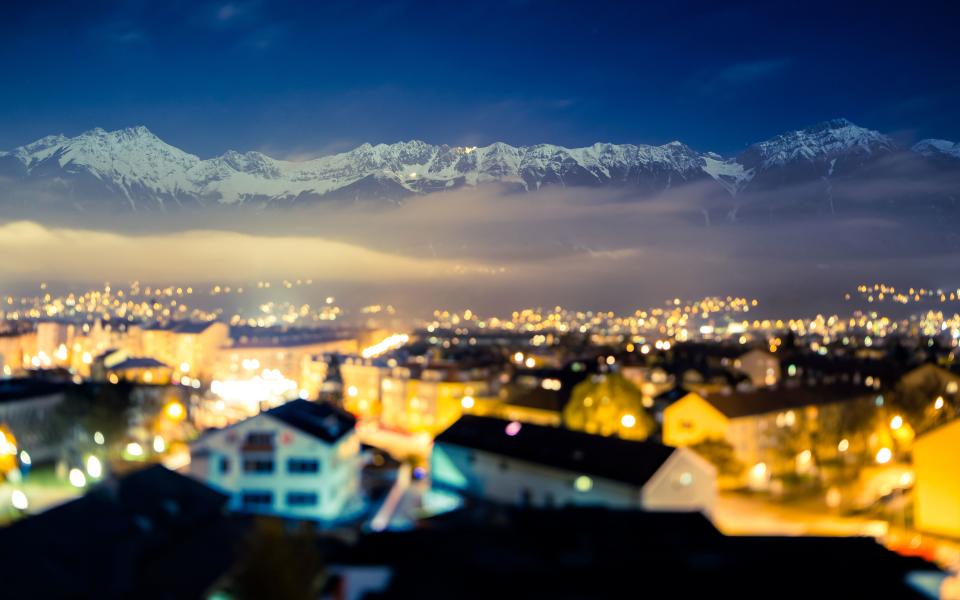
(77, 478)
(19, 500)
(883, 456)
(387, 344)
(583, 483)
(94, 468)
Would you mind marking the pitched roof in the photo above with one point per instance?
(574, 552)
(606, 457)
(673, 394)
(142, 362)
(761, 401)
(14, 390)
(151, 533)
(191, 327)
(322, 420)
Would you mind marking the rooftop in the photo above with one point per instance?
(606, 457)
(319, 419)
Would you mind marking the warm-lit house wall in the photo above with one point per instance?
(937, 490)
(691, 420)
(219, 460)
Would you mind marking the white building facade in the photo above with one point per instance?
(300, 460)
(556, 467)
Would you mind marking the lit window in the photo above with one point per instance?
(302, 498)
(303, 465)
(255, 500)
(258, 465)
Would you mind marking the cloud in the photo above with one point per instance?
(490, 248)
(71, 254)
(730, 79)
(747, 72)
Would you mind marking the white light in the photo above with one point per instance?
(184, 367)
(628, 421)
(583, 483)
(134, 449)
(467, 402)
(352, 391)
(844, 445)
(77, 478)
(385, 345)
(94, 468)
(884, 455)
(98, 438)
(159, 445)
(24, 457)
(938, 403)
(686, 479)
(896, 422)
(19, 500)
(530, 363)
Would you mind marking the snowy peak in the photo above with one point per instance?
(135, 168)
(937, 148)
(823, 141)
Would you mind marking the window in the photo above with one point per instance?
(258, 465)
(259, 439)
(302, 498)
(303, 465)
(258, 499)
(224, 465)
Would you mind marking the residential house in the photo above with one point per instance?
(937, 487)
(299, 460)
(760, 366)
(28, 409)
(771, 430)
(189, 347)
(524, 464)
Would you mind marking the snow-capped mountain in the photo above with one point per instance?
(938, 148)
(134, 169)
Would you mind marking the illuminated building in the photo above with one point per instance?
(190, 347)
(759, 424)
(532, 465)
(762, 367)
(251, 350)
(937, 491)
(118, 365)
(299, 460)
(430, 399)
(25, 405)
(362, 386)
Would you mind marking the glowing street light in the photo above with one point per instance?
(77, 478)
(19, 500)
(583, 484)
(94, 468)
(884, 455)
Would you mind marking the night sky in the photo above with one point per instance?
(300, 79)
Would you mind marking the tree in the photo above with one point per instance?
(278, 563)
(720, 453)
(608, 404)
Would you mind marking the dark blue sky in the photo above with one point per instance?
(297, 79)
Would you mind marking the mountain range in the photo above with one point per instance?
(133, 169)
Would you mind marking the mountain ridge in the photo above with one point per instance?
(133, 168)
